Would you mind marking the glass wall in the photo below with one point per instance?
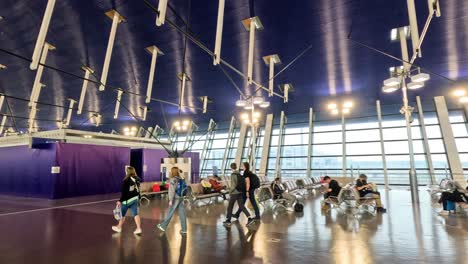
(361, 143)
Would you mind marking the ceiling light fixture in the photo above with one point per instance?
(348, 104)
(459, 93)
(335, 111)
(265, 104)
(463, 99)
(331, 106)
(420, 77)
(392, 81)
(241, 103)
(415, 85)
(390, 89)
(257, 100)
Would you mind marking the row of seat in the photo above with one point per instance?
(350, 197)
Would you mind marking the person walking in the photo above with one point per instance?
(129, 199)
(236, 190)
(252, 182)
(177, 191)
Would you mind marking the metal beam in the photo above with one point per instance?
(240, 145)
(449, 141)
(382, 145)
(266, 145)
(230, 140)
(425, 140)
(309, 144)
(280, 144)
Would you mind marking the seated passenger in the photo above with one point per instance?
(333, 189)
(206, 186)
(216, 186)
(368, 190)
(455, 194)
(279, 192)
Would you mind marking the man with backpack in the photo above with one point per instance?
(252, 182)
(236, 190)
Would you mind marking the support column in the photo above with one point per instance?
(154, 51)
(266, 145)
(240, 145)
(449, 141)
(280, 145)
(343, 142)
(382, 145)
(309, 144)
(425, 140)
(229, 141)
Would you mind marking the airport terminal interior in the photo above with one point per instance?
(233, 131)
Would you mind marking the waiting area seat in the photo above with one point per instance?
(349, 198)
(147, 192)
(195, 194)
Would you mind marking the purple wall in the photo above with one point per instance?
(89, 169)
(27, 172)
(84, 170)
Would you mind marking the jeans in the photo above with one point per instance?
(233, 198)
(252, 201)
(177, 203)
(132, 206)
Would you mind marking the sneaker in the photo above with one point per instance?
(235, 218)
(159, 226)
(183, 232)
(443, 212)
(137, 231)
(227, 223)
(116, 229)
(250, 221)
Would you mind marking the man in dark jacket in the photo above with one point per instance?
(334, 187)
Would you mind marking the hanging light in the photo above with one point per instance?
(257, 100)
(254, 120)
(392, 81)
(185, 123)
(256, 114)
(420, 77)
(177, 123)
(348, 104)
(331, 106)
(182, 125)
(463, 99)
(390, 89)
(265, 104)
(241, 103)
(415, 85)
(459, 93)
(245, 116)
(345, 111)
(248, 107)
(335, 111)
(246, 121)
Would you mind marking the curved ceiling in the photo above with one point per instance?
(331, 65)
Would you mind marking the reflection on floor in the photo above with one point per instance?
(81, 234)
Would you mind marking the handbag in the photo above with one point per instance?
(117, 212)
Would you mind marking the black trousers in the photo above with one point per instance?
(233, 198)
(252, 201)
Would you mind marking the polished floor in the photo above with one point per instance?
(79, 231)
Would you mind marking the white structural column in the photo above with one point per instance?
(42, 34)
(266, 145)
(413, 21)
(145, 112)
(240, 145)
(219, 33)
(183, 77)
(32, 113)
(280, 144)
(343, 142)
(208, 144)
(161, 17)
(154, 51)
(404, 48)
(2, 99)
(433, 5)
(270, 61)
(40, 70)
(2, 125)
(84, 87)
(449, 141)
(425, 140)
(309, 143)
(229, 142)
(116, 19)
(251, 24)
(382, 145)
(117, 104)
(70, 111)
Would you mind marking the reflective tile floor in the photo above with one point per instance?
(79, 231)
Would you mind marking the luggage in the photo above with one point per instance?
(156, 188)
(254, 181)
(298, 208)
(117, 213)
